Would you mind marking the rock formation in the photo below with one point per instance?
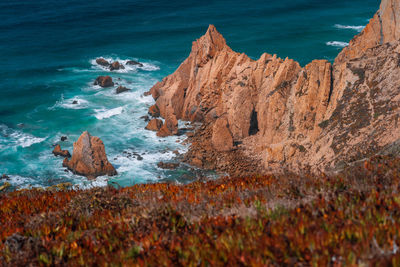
(274, 112)
(89, 158)
(57, 151)
(104, 81)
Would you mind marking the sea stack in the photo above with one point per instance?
(89, 158)
(321, 117)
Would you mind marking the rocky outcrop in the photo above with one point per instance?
(57, 151)
(280, 115)
(89, 158)
(116, 66)
(104, 81)
(154, 125)
(102, 62)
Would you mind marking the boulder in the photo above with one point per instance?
(102, 62)
(63, 138)
(222, 139)
(89, 158)
(121, 89)
(4, 177)
(154, 125)
(134, 63)
(154, 111)
(57, 151)
(116, 66)
(104, 81)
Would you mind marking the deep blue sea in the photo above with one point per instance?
(47, 60)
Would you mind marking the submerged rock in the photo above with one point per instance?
(89, 158)
(134, 63)
(63, 138)
(145, 118)
(57, 151)
(121, 89)
(154, 125)
(104, 81)
(167, 165)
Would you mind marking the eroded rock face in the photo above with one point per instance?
(322, 116)
(89, 158)
(221, 137)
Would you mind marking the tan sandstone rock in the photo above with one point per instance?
(89, 158)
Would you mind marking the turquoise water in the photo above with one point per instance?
(47, 53)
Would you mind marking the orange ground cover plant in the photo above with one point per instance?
(349, 219)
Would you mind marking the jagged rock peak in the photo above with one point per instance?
(209, 43)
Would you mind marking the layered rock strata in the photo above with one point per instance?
(89, 158)
(280, 115)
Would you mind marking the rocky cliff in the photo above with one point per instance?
(271, 113)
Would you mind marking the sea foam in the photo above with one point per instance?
(128, 68)
(337, 44)
(15, 138)
(350, 27)
(104, 114)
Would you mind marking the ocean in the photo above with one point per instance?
(47, 60)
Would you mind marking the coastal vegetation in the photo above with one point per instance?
(352, 218)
